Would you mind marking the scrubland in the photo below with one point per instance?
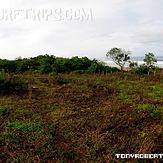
(80, 117)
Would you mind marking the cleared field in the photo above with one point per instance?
(75, 117)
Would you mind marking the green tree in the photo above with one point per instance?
(119, 56)
(150, 62)
(93, 68)
(133, 64)
(46, 63)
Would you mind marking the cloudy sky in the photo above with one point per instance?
(80, 27)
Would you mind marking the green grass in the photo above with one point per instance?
(3, 109)
(156, 91)
(154, 111)
(9, 136)
(24, 126)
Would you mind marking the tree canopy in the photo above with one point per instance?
(119, 56)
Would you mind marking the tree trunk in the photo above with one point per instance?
(121, 68)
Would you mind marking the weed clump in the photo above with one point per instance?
(58, 78)
(3, 110)
(11, 82)
(154, 111)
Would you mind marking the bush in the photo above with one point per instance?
(2, 76)
(141, 70)
(59, 79)
(93, 68)
(11, 82)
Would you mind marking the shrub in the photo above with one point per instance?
(93, 68)
(60, 79)
(11, 82)
(141, 70)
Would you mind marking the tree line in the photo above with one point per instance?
(50, 63)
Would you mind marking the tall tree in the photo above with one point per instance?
(119, 56)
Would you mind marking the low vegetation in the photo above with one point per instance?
(76, 117)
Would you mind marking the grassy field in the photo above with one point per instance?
(74, 117)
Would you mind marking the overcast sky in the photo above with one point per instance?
(132, 25)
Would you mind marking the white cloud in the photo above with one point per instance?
(135, 25)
